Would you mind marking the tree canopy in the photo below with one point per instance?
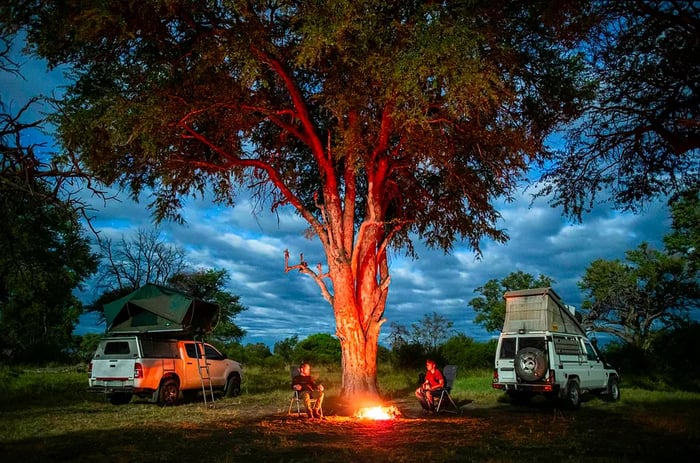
(639, 139)
(378, 122)
(652, 290)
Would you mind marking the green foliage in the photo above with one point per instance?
(490, 307)
(44, 257)
(87, 345)
(431, 331)
(208, 285)
(285, 348)
(255, 354)
(633, 300)
(640, 141)
(318, 348)
(468, 354)
(684, 238)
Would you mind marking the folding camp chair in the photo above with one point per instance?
(297, 397)
(445, 399)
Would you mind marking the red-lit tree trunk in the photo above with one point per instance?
(357, 265)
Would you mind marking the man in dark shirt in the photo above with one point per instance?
(433, 384)
(307, 389)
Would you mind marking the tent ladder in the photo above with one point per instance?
(204, 374)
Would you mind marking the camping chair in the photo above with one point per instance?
(445, 399)
(296, 396)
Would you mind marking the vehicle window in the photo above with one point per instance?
(191, 351)
(531, 342)
(158, 349)
(507, 348)
(212, 353)
(117, 348)
(592, 355)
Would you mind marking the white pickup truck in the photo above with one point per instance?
(160, 370)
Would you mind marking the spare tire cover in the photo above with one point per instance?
(530, 364)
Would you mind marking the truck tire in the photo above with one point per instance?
(530, 364)
(613, 392)
(573, 394)
(120, 398)
(168, 392)
(233, 386)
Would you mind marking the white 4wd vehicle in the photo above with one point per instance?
(160, 369)
(544, 350)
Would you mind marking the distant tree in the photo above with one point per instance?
(209, 285)
(134, 261)
(490, 307)
(684, 238)
(86, 346)
(639, 139)
(379, 122)
(465, 352)
(318, 348)
(398, 336)
(636, 299)
(431, 331)
(285, 348)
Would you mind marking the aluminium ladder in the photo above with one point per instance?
(204, 373)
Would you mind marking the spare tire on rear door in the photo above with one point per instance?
(530, 364)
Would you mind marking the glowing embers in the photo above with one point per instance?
(378, 413)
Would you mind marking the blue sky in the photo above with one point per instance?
(251, 248)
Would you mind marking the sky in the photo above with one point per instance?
(250, 247)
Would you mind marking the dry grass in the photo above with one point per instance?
(64, 424)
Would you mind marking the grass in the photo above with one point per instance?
(46, 415)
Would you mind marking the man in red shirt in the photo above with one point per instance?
(434, 382)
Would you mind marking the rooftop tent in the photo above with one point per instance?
(539, 309)
(157, 309)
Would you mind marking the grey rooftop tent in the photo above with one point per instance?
(156, 309)
(539, 309)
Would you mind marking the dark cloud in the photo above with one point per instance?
(251, 248)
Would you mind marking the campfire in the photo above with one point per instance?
(378, 413)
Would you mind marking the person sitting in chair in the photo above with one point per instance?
(433, 384)
(307, 388)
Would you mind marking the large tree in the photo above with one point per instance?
(379, 122)
(637, 299)
(639, 139)
(44, 255)
(651, 290)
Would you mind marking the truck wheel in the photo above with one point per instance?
(120, 398)
(169, 392)
(530, 364)
(613, 394)
(573, 394)
(233, 386)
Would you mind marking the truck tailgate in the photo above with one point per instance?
(112, 369)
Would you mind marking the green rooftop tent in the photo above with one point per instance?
(156, 309)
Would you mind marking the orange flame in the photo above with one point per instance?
(378, 413)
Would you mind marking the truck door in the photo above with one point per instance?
(597, 378)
